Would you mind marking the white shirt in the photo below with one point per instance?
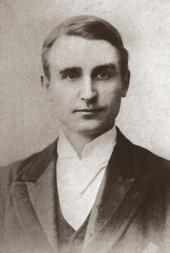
(78, 180)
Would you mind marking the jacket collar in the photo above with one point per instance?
(33, 167)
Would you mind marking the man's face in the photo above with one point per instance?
(86, 84)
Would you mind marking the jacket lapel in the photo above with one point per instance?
(121, 192)
(34, 196)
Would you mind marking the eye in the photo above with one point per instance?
(103, 75)
(71, 76)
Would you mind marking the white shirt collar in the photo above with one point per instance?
(78, 180)
(96, 153)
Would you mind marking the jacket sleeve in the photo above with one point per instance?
(7, 176)
(167, 230)
(2, 207)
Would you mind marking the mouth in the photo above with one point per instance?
(89, 111)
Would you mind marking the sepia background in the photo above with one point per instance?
(26, 122)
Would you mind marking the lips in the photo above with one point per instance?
(89, 110)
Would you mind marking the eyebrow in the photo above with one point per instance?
(110, 66)
(71, 69)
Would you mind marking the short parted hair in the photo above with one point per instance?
(90, 28)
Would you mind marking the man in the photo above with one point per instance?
(91, 190)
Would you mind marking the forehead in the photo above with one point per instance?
(69, 51)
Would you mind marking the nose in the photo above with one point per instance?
(88, 92)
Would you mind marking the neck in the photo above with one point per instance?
(79, 140)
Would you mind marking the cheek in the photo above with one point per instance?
(61, 102)
(56, 94)
(110, 96)
(61, 91)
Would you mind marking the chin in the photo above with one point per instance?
(94, 131)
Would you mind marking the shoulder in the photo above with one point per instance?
(150, 162)
(141, 161)
(11, 172)
(14, 171)
(157, 168)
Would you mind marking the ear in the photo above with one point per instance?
(126, 82)
(44, 82)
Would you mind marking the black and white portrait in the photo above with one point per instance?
(84, 127)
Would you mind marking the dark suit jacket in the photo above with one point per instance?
(131, 213)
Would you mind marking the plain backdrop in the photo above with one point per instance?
(26, 122)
